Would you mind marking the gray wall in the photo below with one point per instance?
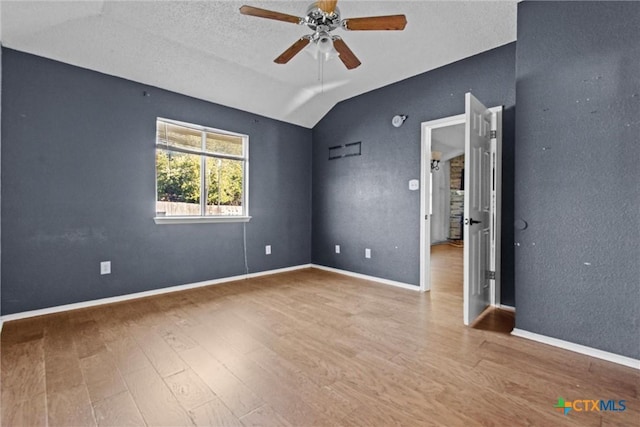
(577, 173)
(364, 202)
(0, 175)
(78, 187)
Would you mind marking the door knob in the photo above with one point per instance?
(471, 221)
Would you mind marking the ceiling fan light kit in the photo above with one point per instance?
(324, 42)
(322, 18)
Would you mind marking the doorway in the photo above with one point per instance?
(483, 180)
(447, 185)
(446, 220)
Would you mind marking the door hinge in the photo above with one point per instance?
(491, 275)
(493, 134)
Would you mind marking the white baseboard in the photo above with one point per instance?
(111, 300)
(506, 307)
(578, 348)
(268, 272)
(365, 277)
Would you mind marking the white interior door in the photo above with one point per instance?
(477, 208)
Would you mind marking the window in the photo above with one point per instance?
(201, 174)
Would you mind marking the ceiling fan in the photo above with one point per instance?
(322, 18)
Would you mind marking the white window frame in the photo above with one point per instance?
(202, 218)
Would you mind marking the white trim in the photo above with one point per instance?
(582, 349)
(496, 284)
(199, 219)
(276, 271)
(1, 323)
(506, 307)
(170, 289)
(366, 277)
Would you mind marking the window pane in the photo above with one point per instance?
(223, 144)
(178, 181)
(224, 186)
(178, 136)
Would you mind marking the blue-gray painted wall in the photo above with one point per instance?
(578, 173)
(78, 187)
(364, 201)
(0, 179)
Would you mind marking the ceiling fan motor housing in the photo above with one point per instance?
(321, 21)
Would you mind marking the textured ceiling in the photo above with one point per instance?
(210, 51)
(448, 140)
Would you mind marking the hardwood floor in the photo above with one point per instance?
(446, 275)
(295, 349)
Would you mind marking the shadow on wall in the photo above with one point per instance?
(508, 296)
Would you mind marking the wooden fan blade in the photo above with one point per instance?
(327, 6)
(292, 51)
(346, 56)
(269, 14)
(391, 22)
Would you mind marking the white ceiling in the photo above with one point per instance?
(208, 50)
(449, 140)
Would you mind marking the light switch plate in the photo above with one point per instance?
(105, 267)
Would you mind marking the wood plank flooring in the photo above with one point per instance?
(306, 348)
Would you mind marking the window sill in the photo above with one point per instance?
(199, 219)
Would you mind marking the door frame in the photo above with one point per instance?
(427, 129)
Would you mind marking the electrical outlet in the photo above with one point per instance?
(337, 249)
(367, 253)
(105, 267)
(267, 250)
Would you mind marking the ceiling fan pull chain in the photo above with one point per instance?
(322, 60)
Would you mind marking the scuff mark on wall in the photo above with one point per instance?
(72, 236)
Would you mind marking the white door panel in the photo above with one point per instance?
(477, 208)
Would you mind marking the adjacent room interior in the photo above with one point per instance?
(205, 224)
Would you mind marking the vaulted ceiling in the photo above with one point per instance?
(208, 50)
